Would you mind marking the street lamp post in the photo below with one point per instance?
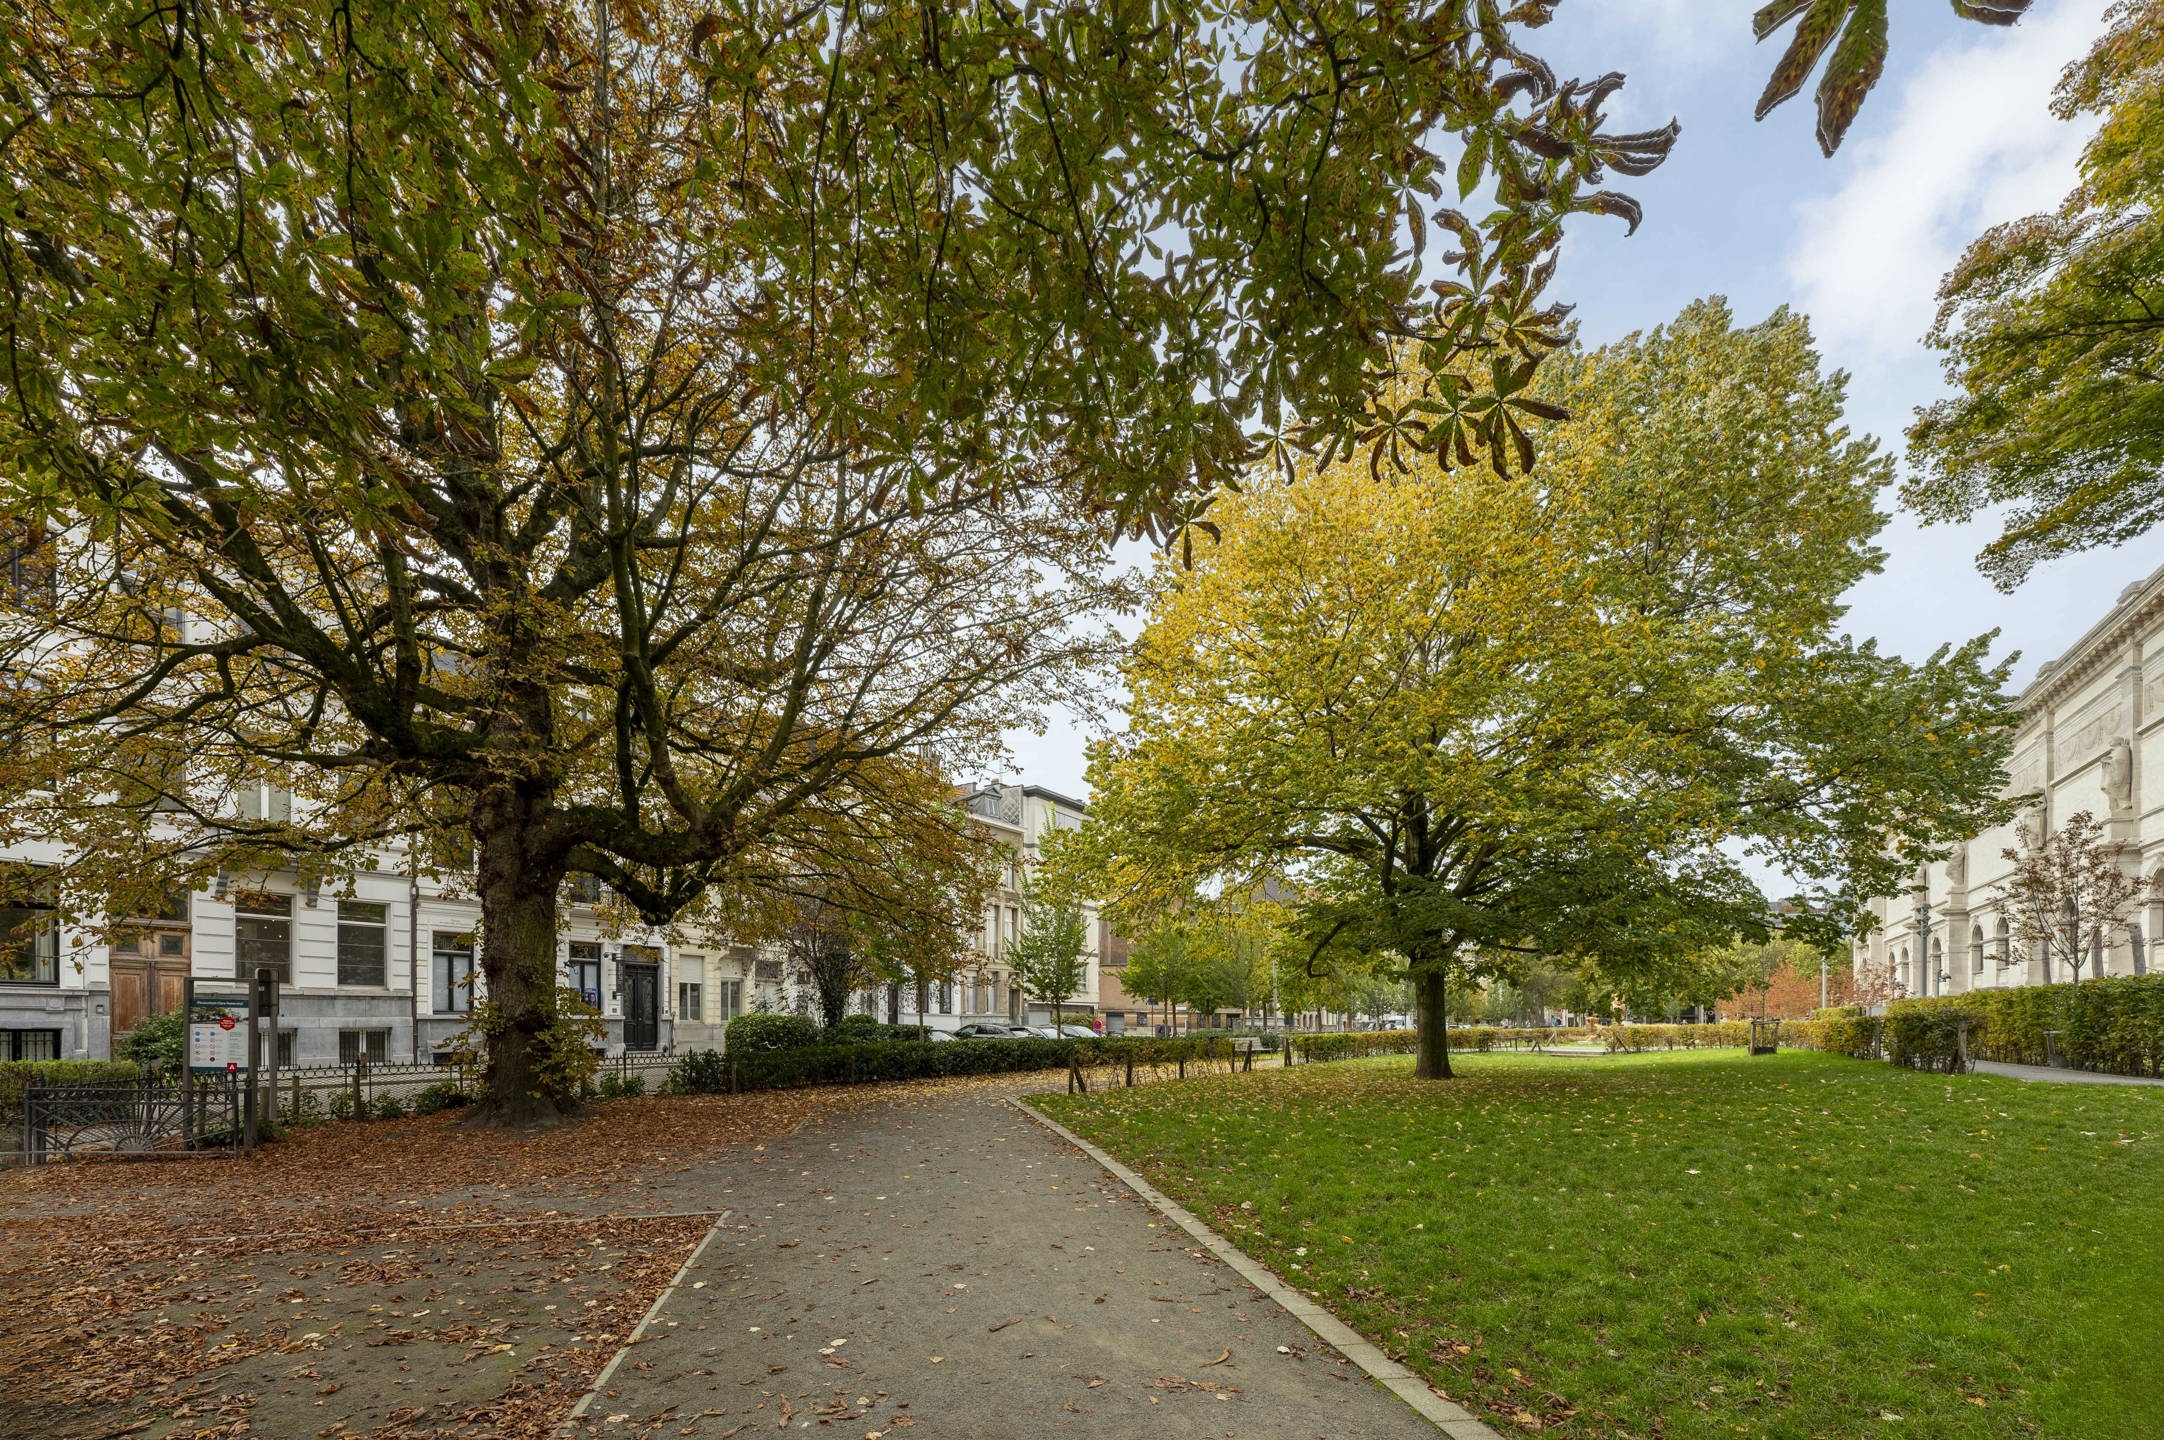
(1923, 937)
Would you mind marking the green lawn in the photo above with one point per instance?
(1700, 1244)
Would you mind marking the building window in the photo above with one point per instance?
(29, 1044)
(768, 971)
(585, 971)
(286, 1044)
(263, 935)
(2138, 944)
(1976, 950)
(259, 800)
(728, 1000)
(363, 943)
(453, 973)
(687, 1001)
(2005, 941)
(29, 931)
(374, 1046)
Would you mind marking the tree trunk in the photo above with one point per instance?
(517, 958)
(1431, 1009)
(894, 1002)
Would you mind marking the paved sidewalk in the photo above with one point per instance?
(941, 1266)
(2052, 1076)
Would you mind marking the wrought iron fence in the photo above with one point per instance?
(363, 1089)
(108, 1118)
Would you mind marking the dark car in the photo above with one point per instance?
(985, 1030)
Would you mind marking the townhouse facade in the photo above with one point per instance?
(384, 965)
(2091, 739)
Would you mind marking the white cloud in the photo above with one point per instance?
(1971, 144)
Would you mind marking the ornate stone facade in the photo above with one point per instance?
(2092, 739)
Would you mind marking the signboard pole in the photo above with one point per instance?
(270, 1042)
(187, 1066)
(255, 1061)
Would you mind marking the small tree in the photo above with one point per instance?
(2066, 884)
(1050, 958)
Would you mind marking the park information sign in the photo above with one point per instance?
(218, 1034)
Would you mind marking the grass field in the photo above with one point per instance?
(1700, 1244)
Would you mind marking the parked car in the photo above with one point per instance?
(1070, 1032)
(986, 1030)
(931, 1034)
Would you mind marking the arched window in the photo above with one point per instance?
(2137, 945)
(1908, 973)
(2096, 954)
(2004, 936)
(1976, 949)
(1937, 977)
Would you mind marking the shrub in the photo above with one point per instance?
(1925, 1033)
(341, 1105)
(1350, 1044)
(700, 1072)
(438, 1097)
(302, 1107)
(160, 1040)
(747, 1033)
(916, 1059)
(15, 1074)
(855, 1030)
(616, 1085)
(388, 1107)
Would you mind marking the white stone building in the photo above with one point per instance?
(2092, 738)
(385, 967)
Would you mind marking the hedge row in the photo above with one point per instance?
(1634, 1039)
(704, 1072)
(15, 1074)
(2114, 1025)
(1351, 1044)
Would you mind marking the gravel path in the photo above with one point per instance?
(939, 1265)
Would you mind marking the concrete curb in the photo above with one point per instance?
(568, 1425)
(1452, 1420)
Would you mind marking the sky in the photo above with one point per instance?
(1957, 137)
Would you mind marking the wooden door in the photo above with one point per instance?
(134, 997)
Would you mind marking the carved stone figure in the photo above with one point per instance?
(2118, 775)
(1957, 867)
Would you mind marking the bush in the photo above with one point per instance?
(748, 1033)
(160, 1040)
(388, 1107)
(918, 1059)
(1350, 1044)
(616, 1085)
(699, 1072)
(436, 1098)
(1837, 1030)
(341, 1106)
(301, 1108)
(1925, 1033)
(15, 1074)
(855, 1030)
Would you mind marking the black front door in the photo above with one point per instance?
(642, 1007)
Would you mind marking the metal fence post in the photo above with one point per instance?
(360, 1075)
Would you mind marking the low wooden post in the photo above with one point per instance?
(1247, 1063)
(1130, 1069)
(1183, 1064)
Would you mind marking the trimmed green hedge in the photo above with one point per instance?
(703, 1073)
(2114, 1026)
(1633, 1039)
(769, 1032)
(1351, 1044)
(15, 1074)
